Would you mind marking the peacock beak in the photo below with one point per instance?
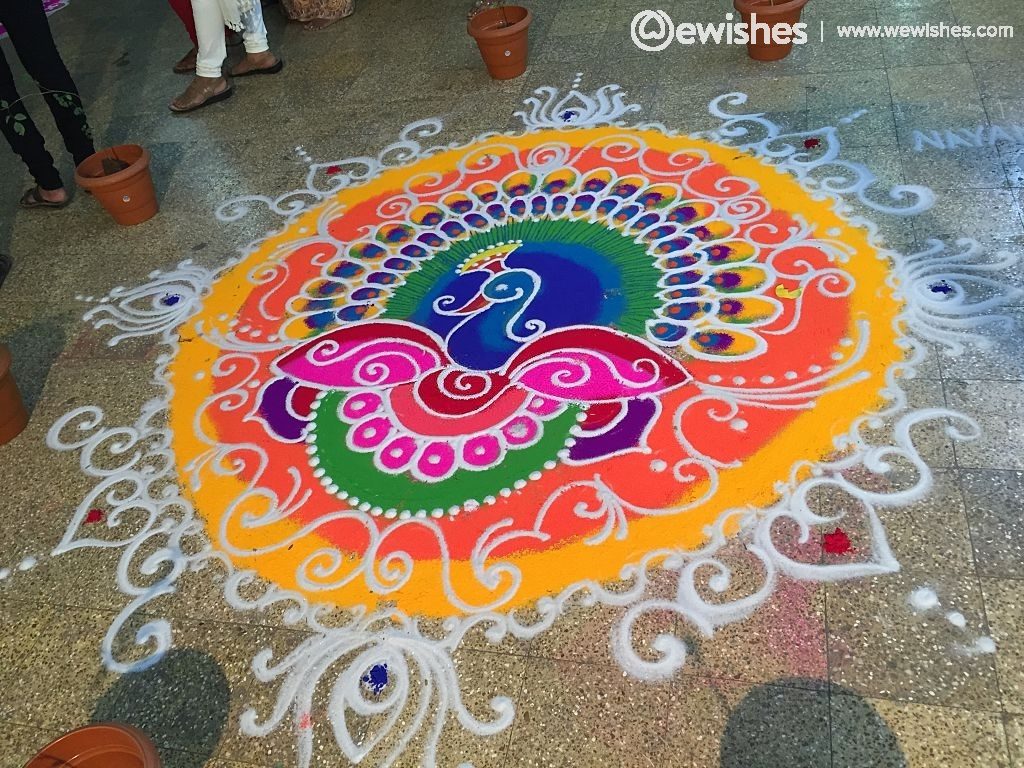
(475, 304)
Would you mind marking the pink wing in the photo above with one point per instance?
(594, 364)
(368, 354)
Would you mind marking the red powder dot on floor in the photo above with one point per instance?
(812, 143)
(94, 516)
(836, 543)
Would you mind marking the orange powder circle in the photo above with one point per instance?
(764, 444)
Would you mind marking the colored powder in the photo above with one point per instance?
(924, 599)
(377, 677)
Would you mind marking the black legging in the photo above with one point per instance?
(29, 30)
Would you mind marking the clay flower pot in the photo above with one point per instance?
(119, 178)
(770, 12)
(109, 745)
(500, 34)
(13, 416)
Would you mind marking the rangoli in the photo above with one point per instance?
(476, 382)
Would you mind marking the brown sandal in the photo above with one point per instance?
(201, 94)
(273, 69)
(32, 199)
(186, 63)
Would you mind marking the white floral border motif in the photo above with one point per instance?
(136, 475)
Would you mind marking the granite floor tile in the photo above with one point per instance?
(985, 215)
(860, 736)
(914, 735)
(911, 52)
(993, 504)
(874, 128)
(1005, 613)
(998, 82)
(1014, 727)
(951, 85)
(998, 359)
(695, 722)
(835, 54)
(930, 437)
(774, 725)
(598, 625)
(872, 622)
(1001, 444)
(783, 640)
(1011, 154)
(188, 700)
(19, 743)
(990, 50)
(931, 536)
(972, 167)
(51, 695)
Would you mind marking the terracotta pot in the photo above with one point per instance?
(109, 745)
(127, 194)
(769, 12)
(13, 416)
(501, 36)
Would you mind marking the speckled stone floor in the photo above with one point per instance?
(836, 675)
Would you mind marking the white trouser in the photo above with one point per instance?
(210, 32)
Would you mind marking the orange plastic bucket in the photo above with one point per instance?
(13, 416)
(770, 13)
(109, 745)
(501, 35)
(127, 194)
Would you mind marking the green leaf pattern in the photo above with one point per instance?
(15, 120)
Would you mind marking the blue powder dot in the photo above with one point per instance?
(377, 677)
(941, 287)
(170, 300)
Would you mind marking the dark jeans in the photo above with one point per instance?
(29, 30)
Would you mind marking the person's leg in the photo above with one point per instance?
(258, 56)
(183, 10)
(210, 36)
(209, 84)
(23, 136)
(29, 31)
(255, 33)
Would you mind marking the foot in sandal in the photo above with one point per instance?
(201, 92)
(37, 197)
(263, 63)
(186, 63)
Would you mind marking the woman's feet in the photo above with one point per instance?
(201, 92)
(263, 63)
(37, 197)
(187, 63)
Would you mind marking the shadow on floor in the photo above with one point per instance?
(181, 703)
(34, 347)
(788, 724)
